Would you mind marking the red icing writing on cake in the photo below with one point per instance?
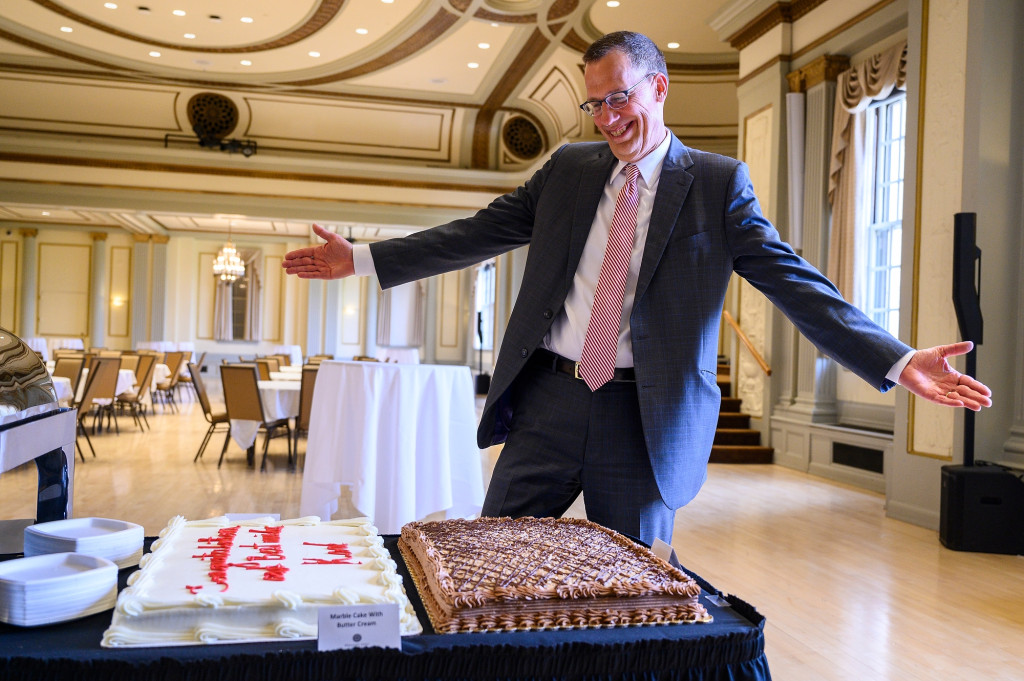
(332, 550)
(220, 549)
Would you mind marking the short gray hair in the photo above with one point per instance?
(642, 52)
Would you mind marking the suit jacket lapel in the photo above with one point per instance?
(593, 177)
(673, 187)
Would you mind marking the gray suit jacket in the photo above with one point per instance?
(706, 224)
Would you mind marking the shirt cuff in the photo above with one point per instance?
(899, 366)
(362, 260)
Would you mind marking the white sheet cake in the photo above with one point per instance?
(218, 581)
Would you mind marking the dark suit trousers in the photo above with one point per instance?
(564, 440)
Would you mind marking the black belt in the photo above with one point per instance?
(556, 363)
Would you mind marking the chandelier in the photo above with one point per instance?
(227, 265)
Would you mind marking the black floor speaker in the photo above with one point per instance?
(982, 509)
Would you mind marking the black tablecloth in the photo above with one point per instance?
(729, 649)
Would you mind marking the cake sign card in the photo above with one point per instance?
(358, 626)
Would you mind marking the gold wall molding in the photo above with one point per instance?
(827, 67)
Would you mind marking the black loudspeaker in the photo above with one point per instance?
(982, 509)
(967, 277)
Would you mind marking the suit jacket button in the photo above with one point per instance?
(524, 352)
(548, 314)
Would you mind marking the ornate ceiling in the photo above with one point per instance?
(449, 98)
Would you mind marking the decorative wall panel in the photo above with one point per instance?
(62, 306)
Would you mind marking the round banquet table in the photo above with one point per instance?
(402, 437)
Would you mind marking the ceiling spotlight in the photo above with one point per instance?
(214, 18)
(66, 29)
(154, 53)
(245, 62)
(190, 36)
(484, 46)
(612, 3)
(246, 20)
(110, 5)
(314, 54)
(143, 9)
(473, 65)
(673, 46)
(178, 12)
(361, 31)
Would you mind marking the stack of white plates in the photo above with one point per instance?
(118, 541)
(55, 587)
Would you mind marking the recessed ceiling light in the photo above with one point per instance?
(154, 53)
(190, 36)
(438, 81)
(142, 9)
(387, 2)
(66, 29)
(245, 62)
(673, 46)
(110, 5)
(215, 18)
(246, 20)
(484, 46)
(361, 31)
(473, 65)
(178, 12)
(46, 212)
(612, 3)
(314, 54)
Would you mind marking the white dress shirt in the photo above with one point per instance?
(570, 327)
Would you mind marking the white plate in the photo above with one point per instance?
(115, 540)
(84, 530)
(55, 587)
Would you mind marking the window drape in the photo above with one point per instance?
(856, 88)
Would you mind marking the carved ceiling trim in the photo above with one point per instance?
(430, 31)
(532, 50)
(146, 166)
(326, 11)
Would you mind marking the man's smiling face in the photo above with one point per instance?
(639, 127)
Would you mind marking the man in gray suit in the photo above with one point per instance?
(636, 445)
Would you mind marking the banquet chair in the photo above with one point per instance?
(99, 385)
(132, 399)
(187, 380)
(243, 403)
(263, 366)
(167, 388)
(130, 360)
(309, 372)
(213, 418)
(69, 367)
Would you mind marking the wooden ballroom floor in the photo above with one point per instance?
(848, 594)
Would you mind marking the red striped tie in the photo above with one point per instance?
(597, 365)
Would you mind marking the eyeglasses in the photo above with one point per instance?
(615, 100)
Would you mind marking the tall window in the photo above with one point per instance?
(886, 126)
(486, 281)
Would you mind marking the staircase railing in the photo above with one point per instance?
(746, 343)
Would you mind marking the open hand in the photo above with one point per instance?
(331, 260)
(929, 376)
